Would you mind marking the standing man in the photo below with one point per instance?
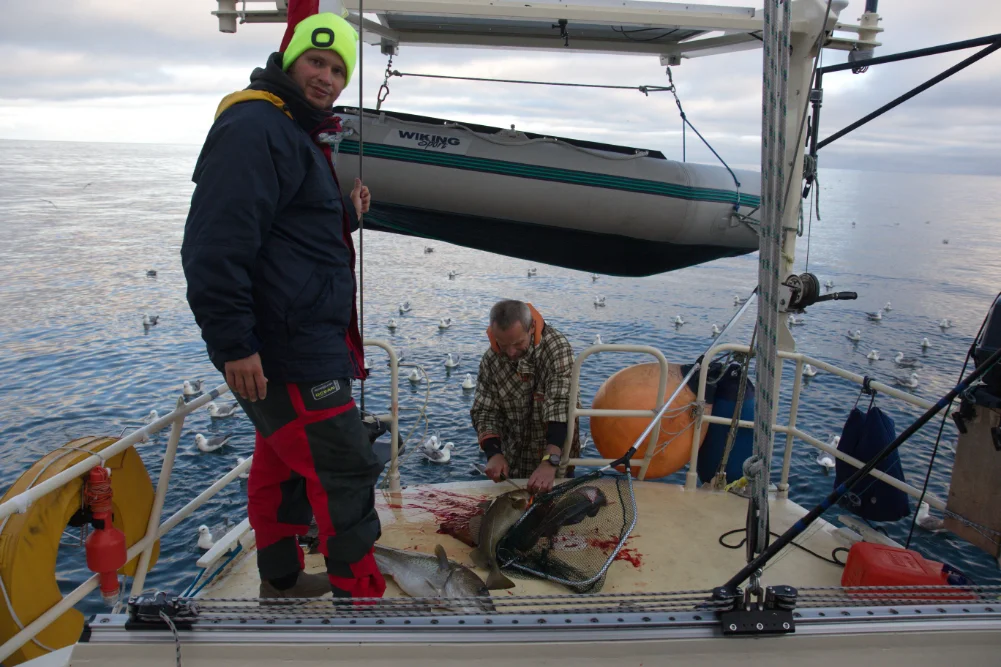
(269, 261)
(521, 408)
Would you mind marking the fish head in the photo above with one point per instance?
(595, 496)
(519, 499)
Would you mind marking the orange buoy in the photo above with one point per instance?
(635, 388)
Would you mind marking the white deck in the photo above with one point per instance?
(674, 546)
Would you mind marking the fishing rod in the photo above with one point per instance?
(801, 525)
(624, 459)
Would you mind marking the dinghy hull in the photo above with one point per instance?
(581, 205)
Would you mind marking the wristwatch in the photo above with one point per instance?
(552, 459)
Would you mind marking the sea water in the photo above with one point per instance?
(80, 225)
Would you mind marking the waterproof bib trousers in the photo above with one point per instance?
(313, 457)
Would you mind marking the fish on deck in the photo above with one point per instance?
(504, 512)
(425, 576)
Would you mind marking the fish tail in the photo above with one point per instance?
(496, 580)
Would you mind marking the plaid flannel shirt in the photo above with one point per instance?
(516, 400)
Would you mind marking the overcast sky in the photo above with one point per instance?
(145, 71)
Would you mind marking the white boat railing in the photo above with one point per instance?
(155, 530)
(790, 430)
(576, 411)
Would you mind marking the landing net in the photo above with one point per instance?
(572, 534)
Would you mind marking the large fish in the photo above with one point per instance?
(546, 519)
(502, 513)
(424, 576)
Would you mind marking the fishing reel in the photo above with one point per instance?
(803, 290)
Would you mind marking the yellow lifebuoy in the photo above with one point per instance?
(29, 542)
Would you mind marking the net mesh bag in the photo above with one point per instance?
(573, 533)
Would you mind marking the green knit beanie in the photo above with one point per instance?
(324, 31)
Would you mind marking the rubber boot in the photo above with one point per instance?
(306, 586)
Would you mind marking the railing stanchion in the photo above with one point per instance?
(162, 483)
(393, 475)
(797, 388)
(692, 476)
(665, 369)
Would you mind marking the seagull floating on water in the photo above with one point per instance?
(905, 361)
(927, 521)
(715, 331)
(435, 452)
(909, 382)
(151, 417)
(404, 307)
(678, 321)
(794, 321)
(945, 241)
(452, 274)
(597, 339)
(367, 364)
(826, 461)
(192, 387)
(873, 355)
(809, 371)
(853, 224)
(414, 376)
(211, 444)
(444, 323)
(945, 324)
(222, 410)
(151, 273)
(599, 302)
(391, 324)
(925, 343)
(739, 300)
(854, 336)
(428, 250)
(594, 277)
(829, 284)
(245, 474)
(469, 383)
(875, 317)
(887, 307)
(150, 321)
(450, 361)
(532, 271)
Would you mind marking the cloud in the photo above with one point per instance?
(139, 72)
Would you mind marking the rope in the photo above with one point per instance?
(719, 480)
(361, 177)
(832, 560)
(809, 226)
(177, 640)
(775, 45)
(421, 412)
(646, 90)
(938, 440)
(684, 122)
(818, 47)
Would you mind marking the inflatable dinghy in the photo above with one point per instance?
(577, 204)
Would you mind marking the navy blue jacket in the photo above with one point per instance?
(264, 253)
